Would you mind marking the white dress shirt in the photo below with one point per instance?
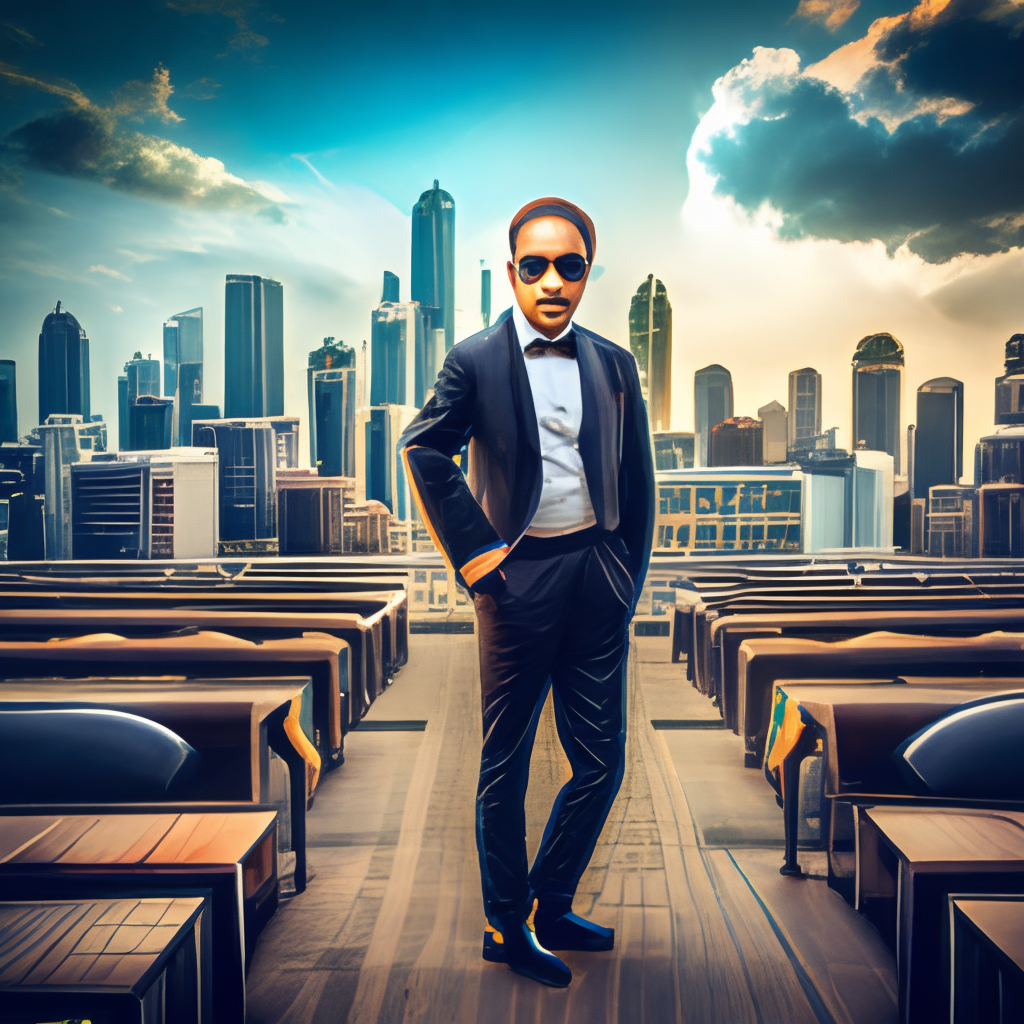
(557, 399)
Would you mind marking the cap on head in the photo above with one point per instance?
(552, 206)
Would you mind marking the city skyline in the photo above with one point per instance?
(324, 205)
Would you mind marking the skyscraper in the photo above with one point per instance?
(804, 404)
(183, 343)
(122, 411)
(939, 438)
(329, 356)
(403, 360)
(333, 419)
(737, 441)
(433, 261)
(8, 401)
(1010, 386)
(389, 293)
(253, 346)
(650, 341)
(712, 399)
(773, 417)
(877, 393)
(143, 377)
(485, 295)
(63, 366)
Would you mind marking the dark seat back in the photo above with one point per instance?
(975, 751)
(88, 755)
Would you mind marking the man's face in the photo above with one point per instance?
(549, 302)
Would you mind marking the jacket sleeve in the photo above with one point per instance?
(636, 480)
(454, 518)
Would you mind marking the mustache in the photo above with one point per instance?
(553, 300)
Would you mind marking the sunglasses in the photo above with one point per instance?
(570, 266)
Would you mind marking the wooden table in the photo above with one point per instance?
(235, 728)
(136, 960)
(728, 631)
(226, 858)
(324, 659)
(988, 960)
(857, 724)
(872, 656)
(910, 860)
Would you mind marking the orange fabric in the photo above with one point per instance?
(480, 566)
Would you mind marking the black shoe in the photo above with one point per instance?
(568, 931)
(516, 945)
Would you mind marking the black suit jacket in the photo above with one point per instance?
(482, 398)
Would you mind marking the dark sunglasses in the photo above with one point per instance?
(570, 266)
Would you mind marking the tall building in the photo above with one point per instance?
(877, 394)
(246, 480)
(143, 377)
(776, 432)
(1001, 526)
(939, 435)
(389, 292)
(151, 424)
(737, 441)
(804, 404)
(330, 356)
(433, 261)
(122, 411)
(253, 346)
(333, 421)
(188, 395)
(382, 471)
(485, 295)
(63, 445)
(999, 457)
(403, 359)
(712, 399)
(63, 367)
(8, 401)
(1010, 386)
(650, 341)
(183, 343)
(145, 505)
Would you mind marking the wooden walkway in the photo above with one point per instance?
(390, 928)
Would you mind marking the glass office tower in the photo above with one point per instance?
(485, 295)
(143, 377)
(253, 346)
(8, 401)
(939, 437)
(183, 343)
(650, 341)
(1010, 386)
(403, 360)
(877, 394)
(330, 356)
(433, 261)
(712, 399)
(804, 404)
(63, 367)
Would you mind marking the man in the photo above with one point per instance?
(550, 529)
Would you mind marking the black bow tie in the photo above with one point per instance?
(564, 347)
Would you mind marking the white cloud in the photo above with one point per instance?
(99, 268)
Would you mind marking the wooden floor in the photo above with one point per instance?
(390, 928)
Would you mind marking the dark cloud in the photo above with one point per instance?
(245, 41)
(926, 150)
(90, 142)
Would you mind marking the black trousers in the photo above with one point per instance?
(562, 621)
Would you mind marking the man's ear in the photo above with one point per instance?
(510, 267)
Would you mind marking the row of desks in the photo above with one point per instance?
(252, 673)
(849, 665)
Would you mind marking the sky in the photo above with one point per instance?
(799, 173)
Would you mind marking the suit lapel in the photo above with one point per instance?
(522, 395)
(598, 438)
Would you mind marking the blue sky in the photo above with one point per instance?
(149, 148)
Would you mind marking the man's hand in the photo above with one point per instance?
(492, 583)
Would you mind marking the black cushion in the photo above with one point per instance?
(975, 751)
(89, 755)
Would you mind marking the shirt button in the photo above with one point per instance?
(547, 479)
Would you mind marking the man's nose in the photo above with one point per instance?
(551, 282)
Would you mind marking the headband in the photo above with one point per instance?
(553, 207)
